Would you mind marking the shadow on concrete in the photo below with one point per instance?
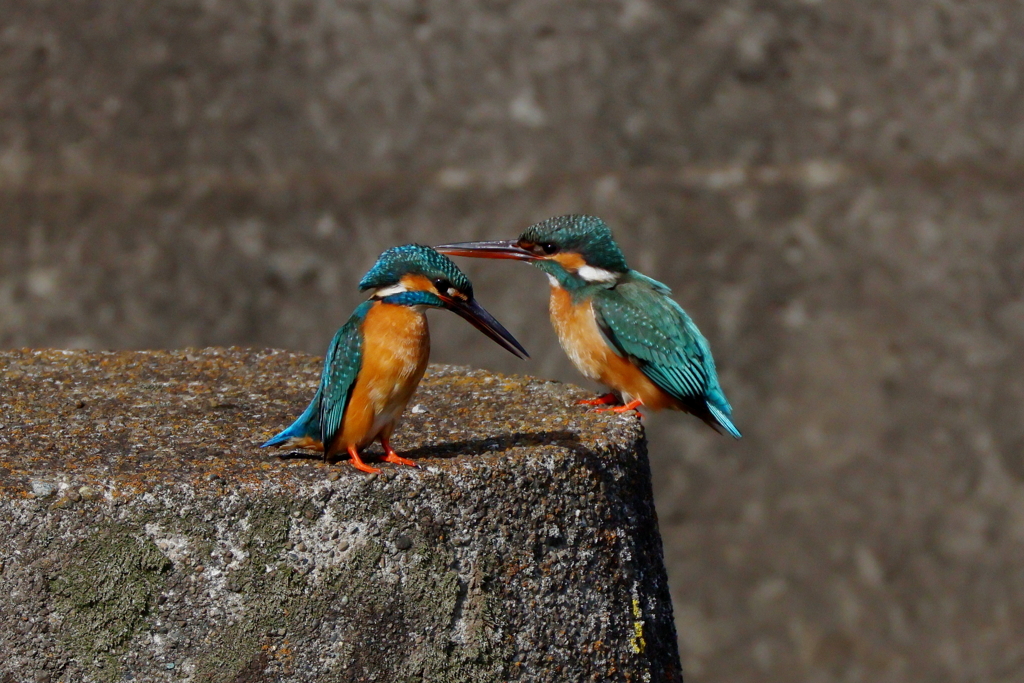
(490, 445)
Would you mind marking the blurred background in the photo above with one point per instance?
(833, 190)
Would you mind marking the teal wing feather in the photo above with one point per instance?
(341, 368)
(660, 287)
(643, 324)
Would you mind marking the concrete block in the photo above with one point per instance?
(148, 538)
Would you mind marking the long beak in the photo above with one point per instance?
(485, 322)
(497, 249)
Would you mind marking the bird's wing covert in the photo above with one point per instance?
(341, 367)
(646, 326)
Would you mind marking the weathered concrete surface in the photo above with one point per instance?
(147, 538)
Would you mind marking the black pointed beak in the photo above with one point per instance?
(485, 322)
(508, 249)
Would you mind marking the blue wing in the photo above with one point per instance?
(341, 367)
(323, 417)
(643, 324)
(306, 427)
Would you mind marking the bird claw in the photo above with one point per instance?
(391, 456)
(396, 459)
(602, 400)
(358, 463)
(632, 405)
(363, 467)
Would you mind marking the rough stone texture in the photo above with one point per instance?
(831, 188)
(148, 538)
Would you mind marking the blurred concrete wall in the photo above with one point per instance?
(832, 189)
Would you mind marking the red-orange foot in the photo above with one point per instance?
(632, 405)
(398, 460)
(392, 457)
(358, 463)
(599, 401)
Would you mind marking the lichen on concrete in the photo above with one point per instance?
(104, 591)
(150, 539)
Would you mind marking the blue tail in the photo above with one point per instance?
(307, 426)
(722, 418)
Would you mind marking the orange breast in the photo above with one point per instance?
(581, 338)
(396, 347)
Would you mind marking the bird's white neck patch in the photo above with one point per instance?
(390, 291)
(592, 274)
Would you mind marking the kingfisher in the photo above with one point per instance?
(376, 360)
(618, 326)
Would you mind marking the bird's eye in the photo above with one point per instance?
(541, 248)
(441, 285)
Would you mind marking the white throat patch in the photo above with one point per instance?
(592, 274)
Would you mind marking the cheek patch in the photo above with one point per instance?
(417, 283)
(569, 260)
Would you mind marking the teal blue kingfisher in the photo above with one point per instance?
(376, 360)
(618, 327)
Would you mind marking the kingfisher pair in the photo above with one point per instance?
(618, 327)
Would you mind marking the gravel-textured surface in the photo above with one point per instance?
(148, 538)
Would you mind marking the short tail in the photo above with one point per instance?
(304, 429)
(283, 438)
(723, 421)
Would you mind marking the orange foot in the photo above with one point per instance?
(391, 456)
(599, 401)
(632, 405)
(358, 463)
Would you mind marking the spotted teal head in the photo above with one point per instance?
(418, 276)
(576, 250)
